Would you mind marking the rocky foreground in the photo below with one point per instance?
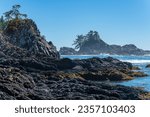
(31, 69)
(34, 79)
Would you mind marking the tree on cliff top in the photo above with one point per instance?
(89, 39)
(14, 13)
(79, 41)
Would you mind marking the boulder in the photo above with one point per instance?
(67, 51)
(148, 66)
(137, 74)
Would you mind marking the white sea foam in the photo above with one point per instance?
(137, 61)
(147, 55)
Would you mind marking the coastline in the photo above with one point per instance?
(31, 68)
(138, 61)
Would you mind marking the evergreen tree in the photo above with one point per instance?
(91, 38)
(79, 41)
(14, 13)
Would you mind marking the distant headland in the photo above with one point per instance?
(92, 44)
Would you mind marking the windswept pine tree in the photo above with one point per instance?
(79, 42)
(14, 13)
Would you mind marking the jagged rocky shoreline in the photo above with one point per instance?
(35, 79)
(31, 68)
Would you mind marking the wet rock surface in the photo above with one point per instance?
(148, 66)
(96, 69)
(40, 80)
(19, 84)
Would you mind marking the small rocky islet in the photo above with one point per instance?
(92, 44)
(31, 69)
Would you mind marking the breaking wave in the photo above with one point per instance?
(137, 61)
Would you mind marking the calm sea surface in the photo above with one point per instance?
(140, 61)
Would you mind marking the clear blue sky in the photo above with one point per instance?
(117, 21)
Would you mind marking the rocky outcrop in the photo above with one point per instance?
(8, 50)
(62, 89)
(67, 51)
(148, 66)
(129, 49)
(91, 44)
(94, 45)
(25, 34)
(31, 79)
(96, 69)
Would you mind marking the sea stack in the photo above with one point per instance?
(92, 44)
(24, 34)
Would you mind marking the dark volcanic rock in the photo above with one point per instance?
(96, 69)
(58, 79)
(25, 34)
(9, 50)
(17, 84)
(148, 66)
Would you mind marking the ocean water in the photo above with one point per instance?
(140, 61)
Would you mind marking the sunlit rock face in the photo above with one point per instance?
(25, 34)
